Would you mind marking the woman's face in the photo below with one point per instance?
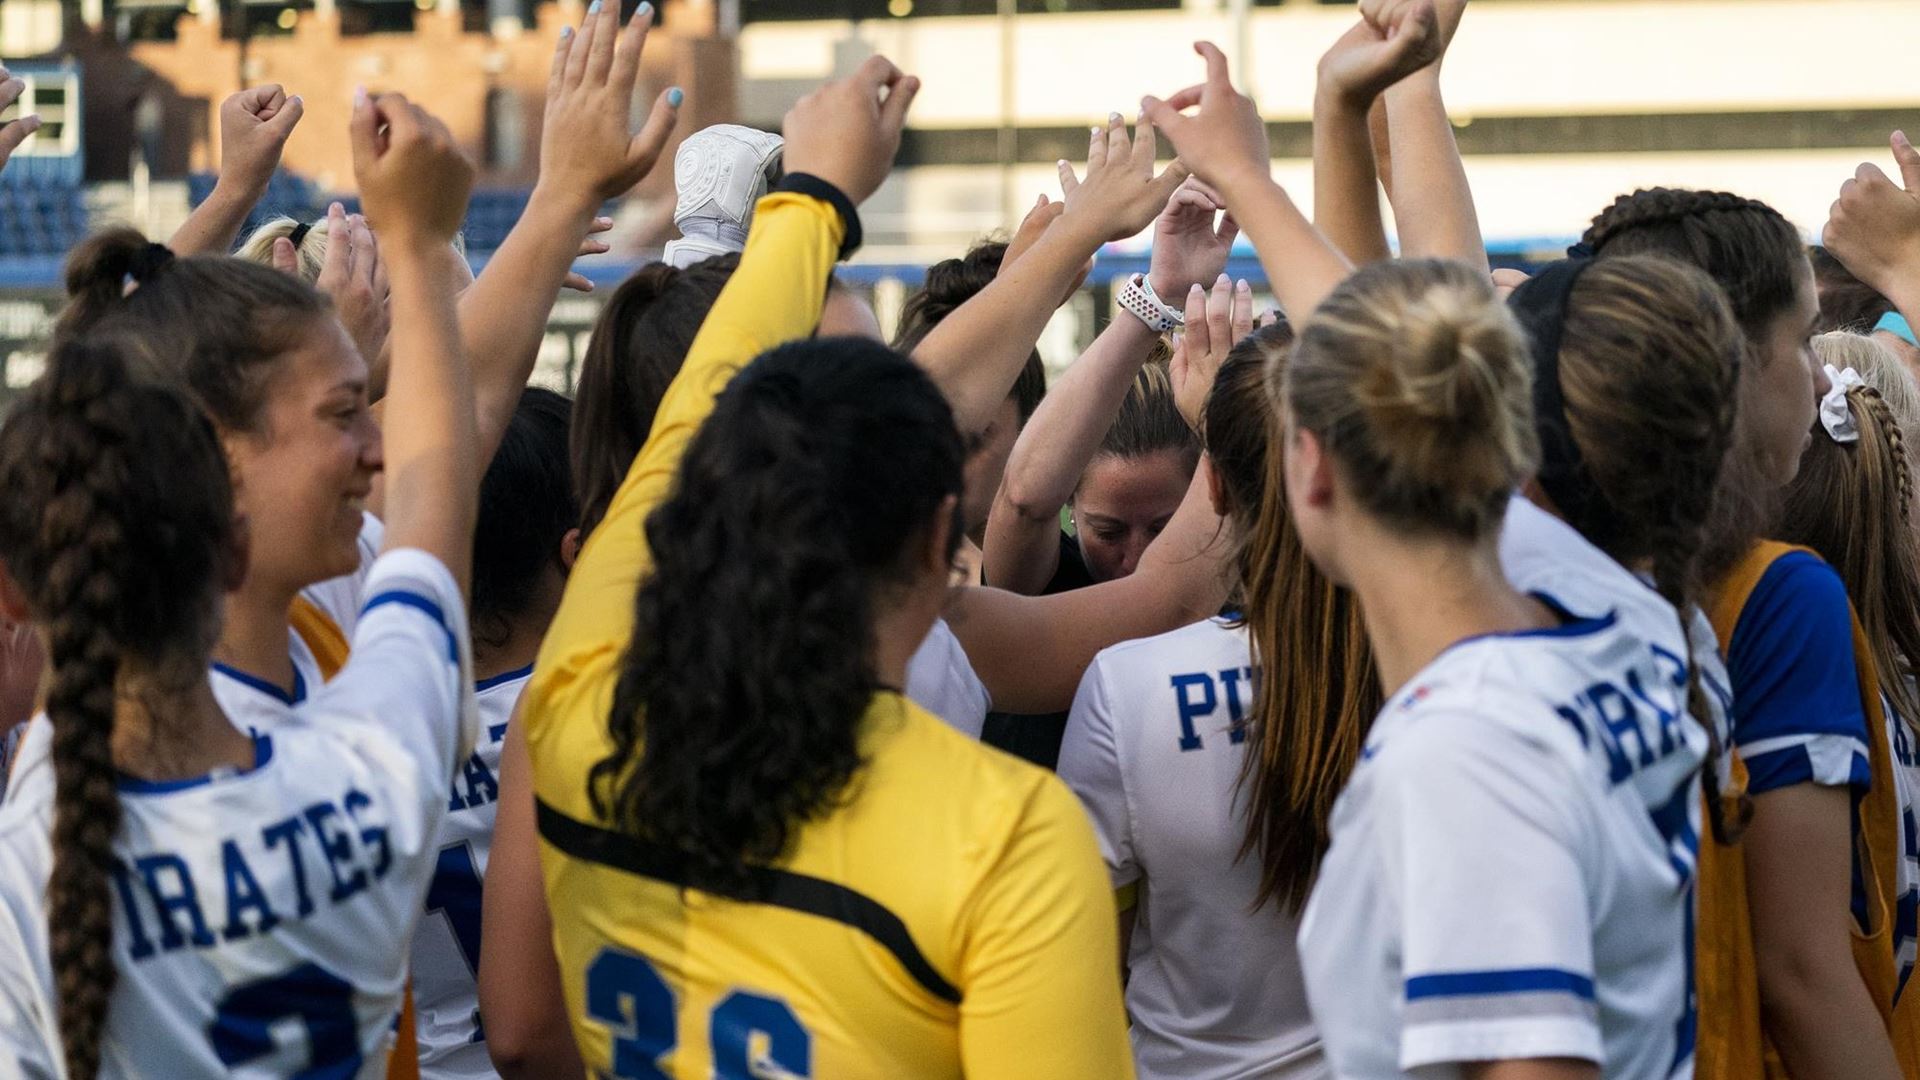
(1122, 504)
(302, 480)
(1780, 391)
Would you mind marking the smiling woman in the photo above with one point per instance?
(261, 353)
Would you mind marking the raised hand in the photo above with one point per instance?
(1873, 228)
(1120, 195)
(254, 126)
(1188, 248)
(1373, 56)
(848, 131)
(1216, 321)
(352, 276)
(1447, 15)
(1225, 142)
(1032, 227)
(587, 148)
(414, 180)
(14, 132)
(590, 246)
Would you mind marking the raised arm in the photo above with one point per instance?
(843, 135)
(1874, 229)
(1434, 211)
(1365, 61)
(976, 353)
(1022, 543)
(1031, 651)
(1225, 144)
(587, 156)
(415, 181)
(254, 126)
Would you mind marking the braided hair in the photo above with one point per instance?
(117, 527)
(1747, 247)
(1851, 503)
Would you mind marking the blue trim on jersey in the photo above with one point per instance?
(500, 680)
(1793, 765)
(257, 683)
(419, 603)
(1512, 981)
(1570, 625)
(133, 785)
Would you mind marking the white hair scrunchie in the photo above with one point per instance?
(1836, 416)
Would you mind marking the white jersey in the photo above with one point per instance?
(262, 917)
(942, 681)
(446, 949)
(252, 702)
(1541, 553)
(1153, 747)
(1512, 862)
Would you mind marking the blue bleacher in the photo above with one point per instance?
(491, 214)
(41, 218)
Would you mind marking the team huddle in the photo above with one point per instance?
(1454, 673)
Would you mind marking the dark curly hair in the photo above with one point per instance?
(117, 525)
(637, 346)
(737, 714)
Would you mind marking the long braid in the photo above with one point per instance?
(116, 526)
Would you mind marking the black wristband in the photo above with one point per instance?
(808, 184)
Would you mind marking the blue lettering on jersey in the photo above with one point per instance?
(482, 786)
(351, 841)
(181, 898)
(290, 830)
(243, 892)
(1195, 697)
(141, 946)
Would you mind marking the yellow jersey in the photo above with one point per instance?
(949, 917)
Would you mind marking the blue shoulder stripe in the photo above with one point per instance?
(419, 603)
(1512, 981)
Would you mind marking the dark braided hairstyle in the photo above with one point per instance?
(117, 526)
(638, 344)
(1649, 362)
(798, 506)
(1756, 257)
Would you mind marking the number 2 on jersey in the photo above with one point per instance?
(626, 994)
(242, 1029)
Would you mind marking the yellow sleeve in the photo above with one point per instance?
(774, 297)
(1042, 995)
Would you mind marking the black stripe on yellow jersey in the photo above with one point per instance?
(765, 885)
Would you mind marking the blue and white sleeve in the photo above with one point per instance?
(1796, 684)
(1482, 841)
(410, 671)
(1090, 764)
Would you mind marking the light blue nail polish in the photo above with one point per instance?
(594, 8)
(566, 32)
(645, 10)
(675, 97)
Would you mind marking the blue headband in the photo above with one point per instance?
(1896, 324)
